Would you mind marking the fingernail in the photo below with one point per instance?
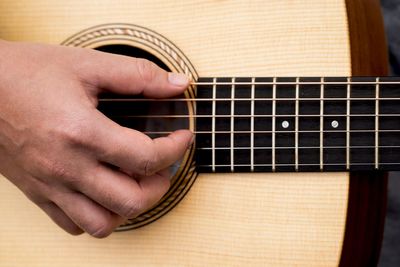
(178, 79)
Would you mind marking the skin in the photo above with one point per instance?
(86, 172)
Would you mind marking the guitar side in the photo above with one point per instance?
(225, 219)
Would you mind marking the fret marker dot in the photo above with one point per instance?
(335, 124)
(285, 124)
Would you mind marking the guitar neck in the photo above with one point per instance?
(298, 124)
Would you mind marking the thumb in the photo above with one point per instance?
(131, 76)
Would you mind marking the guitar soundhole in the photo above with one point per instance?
(154, 118)
(131, 51)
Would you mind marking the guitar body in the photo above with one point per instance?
(249, 219)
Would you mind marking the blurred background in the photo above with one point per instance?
(390, 254)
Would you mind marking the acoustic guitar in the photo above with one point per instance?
(292, 145)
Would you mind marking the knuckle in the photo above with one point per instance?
(150, 166)
(149, 159)
(146, 70)
(47, 170)
(62, 173)
(133, 207)
(100, 229)
(53, 168)
(56, 171)
(77, 132)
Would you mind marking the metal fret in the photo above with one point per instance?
(273, 121)
(232, 123)
(214, 96)
(296, 134)
(321, 127)
(252, 125)
(377, 124)
(348, 124)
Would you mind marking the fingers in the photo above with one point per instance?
(60, 218)
(122, 194)
(88, 215)
(119, 196)
(127, 75)
(135, 152)
(155, 186)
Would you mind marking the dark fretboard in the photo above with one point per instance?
(298, 124)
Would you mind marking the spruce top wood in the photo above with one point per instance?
(223, 219)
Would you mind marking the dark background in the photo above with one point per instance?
(390, 254)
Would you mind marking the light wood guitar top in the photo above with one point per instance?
(263, 219)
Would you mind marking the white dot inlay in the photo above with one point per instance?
(335, 124)
(285, 124)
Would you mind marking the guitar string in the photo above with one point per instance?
(270, 83)
(244, 99)
(296, 116)
(291, 147)
(268, 99)
(295, 83)
(161, 116)
(278, 131)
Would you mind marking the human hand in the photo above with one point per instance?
(62, 152)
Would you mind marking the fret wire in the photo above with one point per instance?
(232, 123)
(348, 124)
(294, 83)
(214, 95)
(252, 124)
(377, 124)
(321, 126)
(296, 135)
(237, 99)
(273, 121)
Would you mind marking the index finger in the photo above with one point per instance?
(131, 76)
(135, 152)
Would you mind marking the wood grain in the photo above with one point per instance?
(225, 220)
(367, 191)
